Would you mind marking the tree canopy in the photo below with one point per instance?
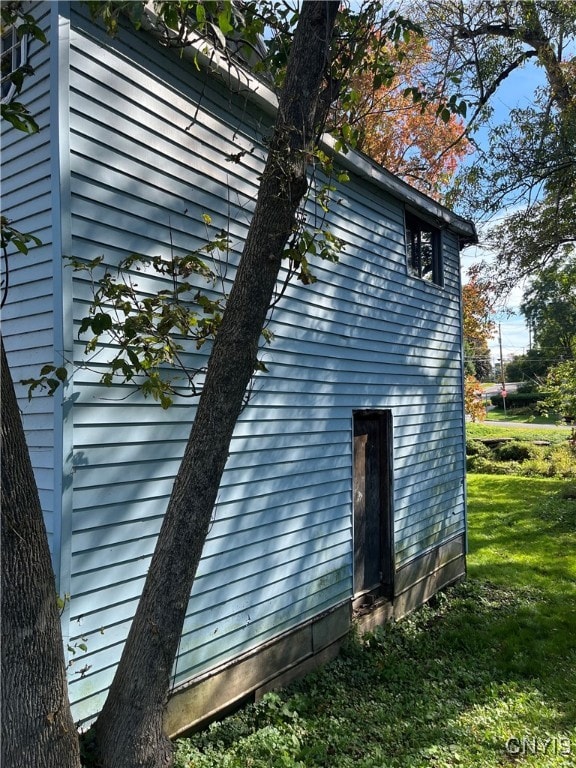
(404, 128)
(478, 327)
(550, 309)
(529, 164)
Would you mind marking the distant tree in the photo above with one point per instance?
(478, 326)
(405, 129)
(549, 306)
(531, 160)
(561, 389)
(469, 367)
(473, 403)
(532, 366)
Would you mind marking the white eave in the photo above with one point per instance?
(258, 92)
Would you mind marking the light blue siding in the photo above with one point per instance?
(28, 316)
(150, 144)
(364, 336)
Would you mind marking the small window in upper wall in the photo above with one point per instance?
(13, 56)
(424, 250)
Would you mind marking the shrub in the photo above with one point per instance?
(553, 461)
(562, 462)
(519, 399)
(527, 387)
(515, 451)
(489, 466)
(476, 448)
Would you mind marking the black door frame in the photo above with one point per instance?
(383, 419)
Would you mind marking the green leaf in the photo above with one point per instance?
(133, 357)
(171, 18)
(101, 322)
(84, 325)
(31, 384)
(53, 385)
(224, 21)
(19, 117)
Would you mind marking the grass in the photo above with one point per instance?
(497, 414)
(528, 451)
(487, 430)
(480, 677)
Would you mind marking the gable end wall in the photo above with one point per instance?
(150, 147)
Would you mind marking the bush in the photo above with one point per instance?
(519, 399)
(557, 465)
(527, 387)
(515, 451)
(476, 448)
(526, 460)
(562, 462)
(489, 466)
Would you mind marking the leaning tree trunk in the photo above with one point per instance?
(129, 730)
(37, 726)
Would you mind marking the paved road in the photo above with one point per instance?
(512, 387)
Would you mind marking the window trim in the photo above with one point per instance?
(414, 226)
(17, 44)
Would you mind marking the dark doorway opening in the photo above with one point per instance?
(373, 528)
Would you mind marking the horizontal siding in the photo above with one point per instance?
(28, 316)
(146, 162)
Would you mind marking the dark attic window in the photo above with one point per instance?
(424, 250)
(13, 57)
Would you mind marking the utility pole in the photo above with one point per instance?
(503, 392)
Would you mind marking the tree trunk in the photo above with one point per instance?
(534, 35)
(129, 730)
(37, 726)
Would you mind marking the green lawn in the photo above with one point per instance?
(486, 429)
(484, 676)
(511, 415)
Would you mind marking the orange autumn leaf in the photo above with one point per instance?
(408, 138)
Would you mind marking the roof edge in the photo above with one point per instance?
(259, 93)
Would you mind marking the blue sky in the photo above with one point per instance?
(516, 91)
